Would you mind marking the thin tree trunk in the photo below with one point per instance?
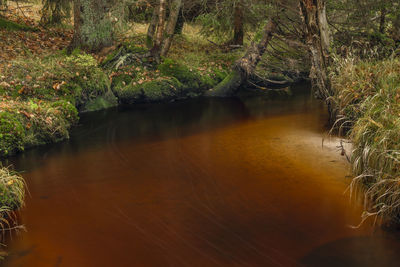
(156, 49)
(382, 22)
(244, 67)
(152, 27)
(238, 24)
(180, 23)
(170, 28)
(396, 28)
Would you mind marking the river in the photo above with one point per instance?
(205, 182)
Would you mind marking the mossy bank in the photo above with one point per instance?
(41, 98)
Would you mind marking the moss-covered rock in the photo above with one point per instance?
(190, 78)
(159, 90)
(50, 123)
(101, 102)
(121, 80)
(12, 133)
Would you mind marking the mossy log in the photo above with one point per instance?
(245, 66)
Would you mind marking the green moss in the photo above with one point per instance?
(12, 26)
(162, 89)
(219, 75)
(135, 49)
(67, 109)
(101, 102)
(121, 80)
(190, 78)
(129, 94)
(12, 134)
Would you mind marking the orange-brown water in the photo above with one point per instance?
(196, 183)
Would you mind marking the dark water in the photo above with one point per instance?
(196, 183)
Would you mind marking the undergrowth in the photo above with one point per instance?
(367, 94)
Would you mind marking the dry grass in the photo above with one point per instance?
(368, 98)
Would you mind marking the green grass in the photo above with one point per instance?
(13, 26)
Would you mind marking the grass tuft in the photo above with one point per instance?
(367, 94)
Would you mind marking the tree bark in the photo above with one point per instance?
(157, 45)
(245, 66)
(382, 21)
(92, 25)
(238, 32)
(313, 14)
(170, 28)
(180, 23)
(152, 27)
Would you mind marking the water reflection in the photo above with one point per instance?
(203, 182)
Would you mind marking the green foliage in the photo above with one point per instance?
(368, 25)
(219, 21)
(12, 133)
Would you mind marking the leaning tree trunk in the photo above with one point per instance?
(244, 67)
(170, 29)
(157, 45)
(92, 25)
(313, 14)
(238, 32)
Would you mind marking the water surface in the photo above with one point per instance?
(206, 182)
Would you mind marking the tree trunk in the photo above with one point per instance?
(152, 27)
(238, 33)
(382, 22)
(396, 28)
(92, 25)
(180, 23)
(170, 29)
(157, 45)
(245, 66)
(317, 37)
(313, 14)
